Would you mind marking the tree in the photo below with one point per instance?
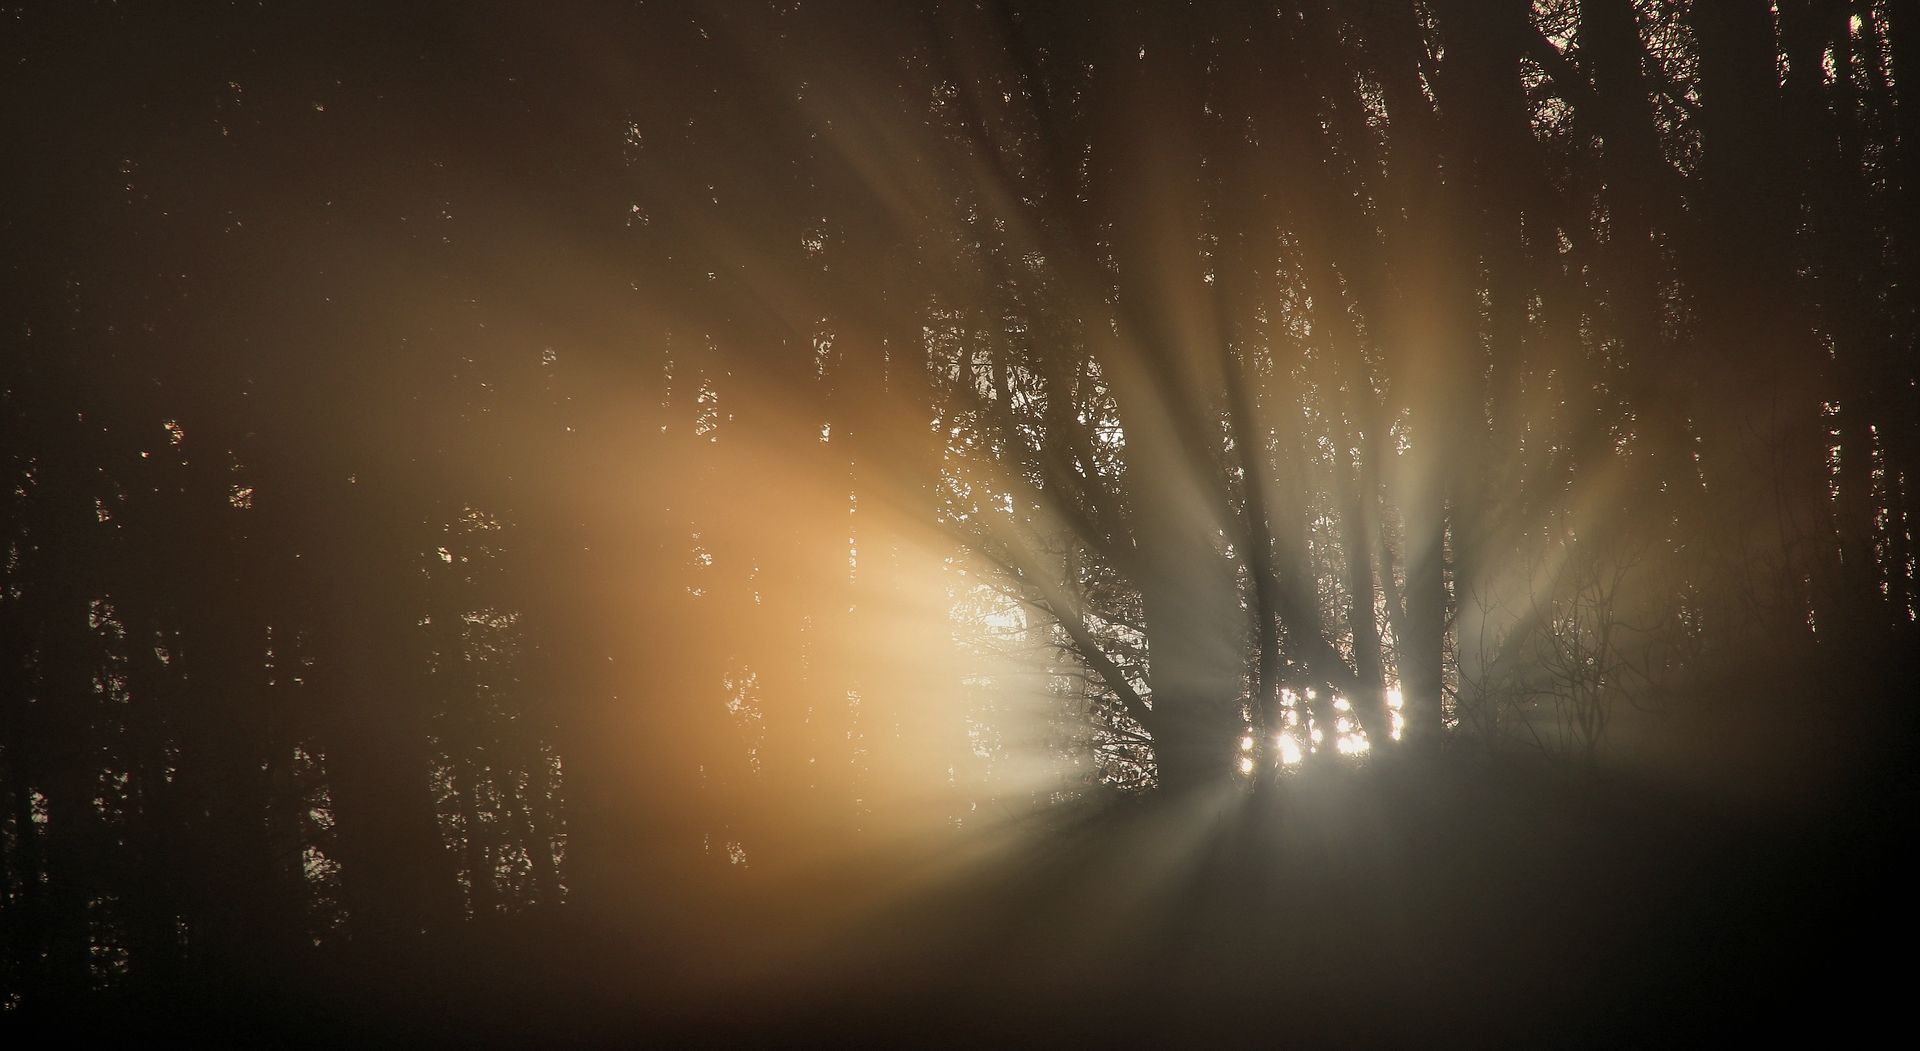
(460, 461)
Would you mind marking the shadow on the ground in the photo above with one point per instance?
(1424, 906)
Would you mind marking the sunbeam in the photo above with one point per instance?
(1370, 522)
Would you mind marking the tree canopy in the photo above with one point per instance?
(482, 464)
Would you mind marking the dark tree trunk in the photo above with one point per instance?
(398, 875)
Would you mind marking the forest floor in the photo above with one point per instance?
(1437, 906)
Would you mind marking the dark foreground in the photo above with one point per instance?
(1398, 909)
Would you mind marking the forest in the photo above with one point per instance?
(925, 523)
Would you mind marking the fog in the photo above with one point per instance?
(955, 525)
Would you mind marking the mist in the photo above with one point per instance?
(779, 524)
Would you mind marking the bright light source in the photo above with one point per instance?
(1246, 766)
(1342, 725)
(1393, 697)
(1246, 744)
(1289, 749)
(1341, 703)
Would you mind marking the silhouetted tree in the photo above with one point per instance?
(388, 400)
